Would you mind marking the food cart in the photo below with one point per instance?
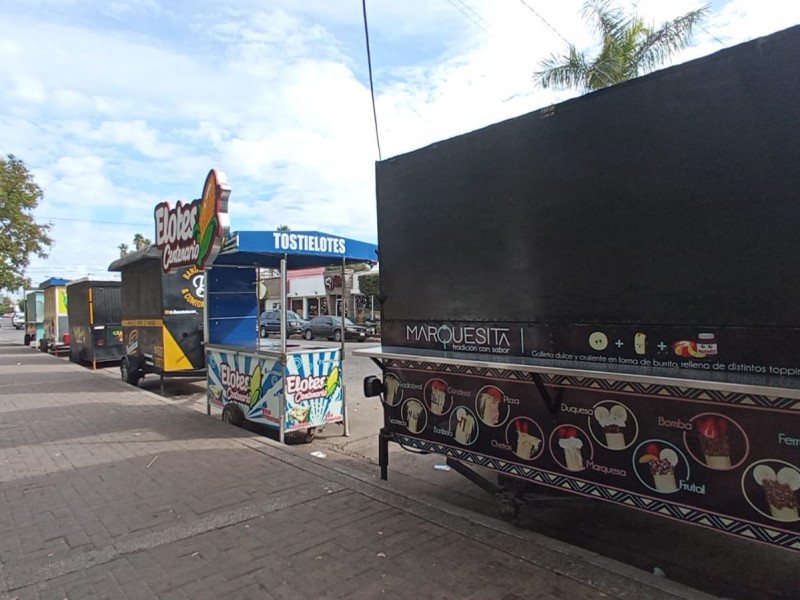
(292, 388)
(610, 311)
(94, 306)
(295, 387)
(34, 316)
(56, 319)
(162, 318)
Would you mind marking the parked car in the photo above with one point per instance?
(18, 320)
(270, 322)
(331, 328)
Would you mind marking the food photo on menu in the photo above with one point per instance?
(415, 415)
(438, 397)
(661, 462)
(528, 438)
(489, 404)
(393, 391)
(571, 445)
(779, 490)
(612, 418)
(717, 442)
(464, 426)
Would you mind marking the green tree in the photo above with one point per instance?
(283, 228)
(370, 285)
(20, 235)
(123, 250)
(140, 242)
(629, 47)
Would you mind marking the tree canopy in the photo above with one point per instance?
(629, 47)
(370, 285)
(20, 235)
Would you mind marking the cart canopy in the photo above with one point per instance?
(232, 305)
(300, 248)
(53, 282)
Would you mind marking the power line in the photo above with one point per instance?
(475, 21)
(94, 221)
(371, 85)
(543, 20)
(721, 43)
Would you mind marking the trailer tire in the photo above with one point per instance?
(27, 339)
(129, 371)
(232, 415)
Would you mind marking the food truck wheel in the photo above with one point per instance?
(232, 415)
(27, 339)
(130, 373)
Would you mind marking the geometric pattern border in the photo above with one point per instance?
(692, 515)
(605, 385)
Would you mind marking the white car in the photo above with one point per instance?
(18, 321)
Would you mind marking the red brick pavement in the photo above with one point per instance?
(107, 491)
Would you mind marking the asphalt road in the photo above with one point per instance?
(706, 560)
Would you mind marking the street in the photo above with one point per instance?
(699, 558)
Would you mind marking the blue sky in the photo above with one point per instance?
(119, 105)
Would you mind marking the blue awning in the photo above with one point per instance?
(301, 249)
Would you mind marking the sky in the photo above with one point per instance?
(117, 105)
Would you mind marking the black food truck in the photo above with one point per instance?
(601, 297)
(94, 306)
(162, 317)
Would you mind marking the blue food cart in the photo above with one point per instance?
(294, 387)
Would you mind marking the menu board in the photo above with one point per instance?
(724, 460)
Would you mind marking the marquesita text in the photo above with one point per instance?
(461, 335)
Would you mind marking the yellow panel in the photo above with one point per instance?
(174, 358)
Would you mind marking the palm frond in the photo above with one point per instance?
(563, 71)
(670, 38)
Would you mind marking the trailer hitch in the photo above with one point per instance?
(552, 404)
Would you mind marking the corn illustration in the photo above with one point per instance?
(207, 225)
(255, 386)
(332, 381)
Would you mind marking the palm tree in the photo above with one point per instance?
(140, 242)
(123, 250)
(283, 228)
(630, 48)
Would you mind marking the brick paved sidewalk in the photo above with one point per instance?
(107, 491)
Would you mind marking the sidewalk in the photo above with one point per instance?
(107, 491)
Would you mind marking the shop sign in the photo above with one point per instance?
(191, 234)
(333, 282)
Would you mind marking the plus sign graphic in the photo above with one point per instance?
(619, 343)
(662, 346)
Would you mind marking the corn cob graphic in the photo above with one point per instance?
(332, 382)
(255, 386)
(207, 225)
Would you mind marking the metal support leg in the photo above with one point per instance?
(383, 453)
